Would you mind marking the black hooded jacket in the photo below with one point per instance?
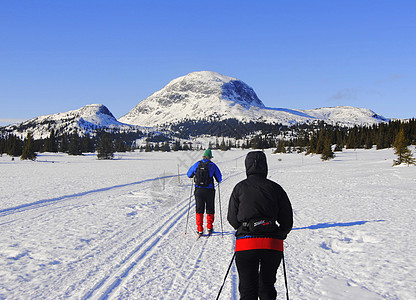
(257, 198)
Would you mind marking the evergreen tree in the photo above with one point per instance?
(64, 144)
(14, 146)
(149, 146)
(381, 137)
(165, 147)
(87, 144)
(281, 147)
(2, 145)
(177, 145)
(320, 143)
(353, 141)
(327, 153)
(28, 151)
(404, 154)
(74, 145)
(121, 146)
(223, 146)
(50, 144)
(408, 158)
(105, 147)
(340, 140)
(412, 131)
(313, 141)
(303, 139)
(368, 142)
(259, 142)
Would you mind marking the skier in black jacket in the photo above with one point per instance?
(260, 211)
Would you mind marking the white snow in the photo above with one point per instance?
(79, 228)
(203, 77)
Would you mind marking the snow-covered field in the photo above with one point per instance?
(79, 228)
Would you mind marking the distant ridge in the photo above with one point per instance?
(86, 119)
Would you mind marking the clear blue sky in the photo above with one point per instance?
(57, 56)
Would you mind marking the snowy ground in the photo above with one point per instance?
(79, 228)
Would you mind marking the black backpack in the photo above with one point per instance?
(202, 177)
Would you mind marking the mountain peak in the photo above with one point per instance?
(85, 119)
(97, 114)
(197, 95)
(213, 83)
(204, 76)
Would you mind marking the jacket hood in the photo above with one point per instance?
(256, 163)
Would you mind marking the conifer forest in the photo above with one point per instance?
(317, 138)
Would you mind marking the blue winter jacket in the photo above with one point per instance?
(214, 171)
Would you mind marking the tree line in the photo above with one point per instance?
(326, 139)
(73, 144)
(317, 138)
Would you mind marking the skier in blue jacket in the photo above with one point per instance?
(204, 172)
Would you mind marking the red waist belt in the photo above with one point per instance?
(258, 243)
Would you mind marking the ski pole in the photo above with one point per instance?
(284, 273)
(229, 267)
(219, 200)
(189, 208)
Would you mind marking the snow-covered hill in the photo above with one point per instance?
(347, 115)
(85, 119)
(211, 96)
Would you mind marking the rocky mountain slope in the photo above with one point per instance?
(211, 96)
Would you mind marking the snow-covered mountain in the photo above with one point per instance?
(192, 101)
(86, 119)
(211, 96)
(198, 95)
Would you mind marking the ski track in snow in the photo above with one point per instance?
(180, 282)
(45, 202)
(115, 237)
(133, 260)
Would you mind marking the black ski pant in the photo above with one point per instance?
(204, 198)
(257, 273)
